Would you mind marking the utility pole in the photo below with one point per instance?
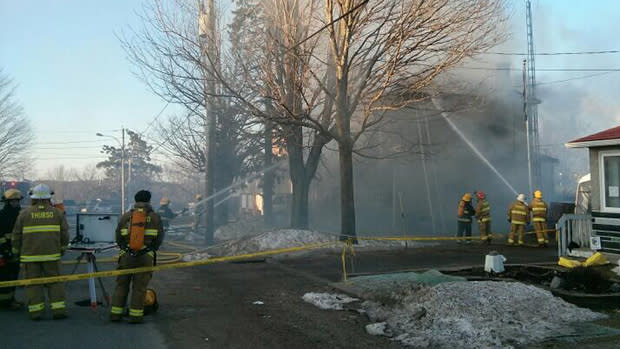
(532, 98)
(122, 145)
(527, 127)
(122, 170)
(209, 49)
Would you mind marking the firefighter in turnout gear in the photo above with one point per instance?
(40, 238)
(483, 215)
(139, 234)
(539, 218)
(165, 213)
(519, 217)
(9, 263)
(465, 212)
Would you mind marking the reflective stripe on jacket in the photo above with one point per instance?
(465, 211)
(41, 233)
(539, 210)
(519, 213)
(483, 211)
(153, 229)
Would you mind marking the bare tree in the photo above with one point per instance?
(386, 55)
(330, 70)
(170, 60)
(15, 134)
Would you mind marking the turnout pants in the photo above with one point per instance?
(485, 230)
(516, 229)
(463, 229)
(541, 233)
(138, 282)
(55, 291)
(8, 272)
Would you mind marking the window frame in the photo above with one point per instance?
(602, 187)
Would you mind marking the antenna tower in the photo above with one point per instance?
(532, 101)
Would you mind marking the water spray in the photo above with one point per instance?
(444, 114)
(239, 183)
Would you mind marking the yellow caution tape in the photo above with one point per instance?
(170, 263)
(110, 273)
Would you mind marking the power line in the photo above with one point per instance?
(575, 78)
(62, 148)
(155, 118)
(553, 53)
(546, 69)
(73, 142)
(330, 23)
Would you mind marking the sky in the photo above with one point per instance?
(74, 79)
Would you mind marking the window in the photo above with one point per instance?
(610, 181)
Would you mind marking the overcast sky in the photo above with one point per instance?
(74, 80)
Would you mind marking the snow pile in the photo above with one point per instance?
(271, 240)
(473, 314)
(327, 300)
(196, 256)
(250, 226)
(285, 238)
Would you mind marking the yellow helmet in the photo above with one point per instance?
(466, 197)
(198, 197)
(538, 194)
(164, 201)
(12, 194)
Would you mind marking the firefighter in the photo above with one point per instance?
(165, 213)
(539, 218)
(40, 237)
(483, 215)
(465, 212)
(518, 216)
(139, 234)
(9, 263)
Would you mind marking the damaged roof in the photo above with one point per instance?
(600, 139)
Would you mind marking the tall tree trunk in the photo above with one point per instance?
(297, 170)
(347, 202)
(268, 176)
(225, 178)
(299, 206)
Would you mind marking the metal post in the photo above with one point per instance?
(394, 214)
(123, 171)
(527, 128)
(91, 282)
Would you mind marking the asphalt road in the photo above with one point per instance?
(213, 306)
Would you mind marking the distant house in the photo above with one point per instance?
(604, 152)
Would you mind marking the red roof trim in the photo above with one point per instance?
(612, 133)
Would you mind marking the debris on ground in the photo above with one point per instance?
(378, 329)
(328, 300)
(586, 280)
(196, 256)
(258, 303)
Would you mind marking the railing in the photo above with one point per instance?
(573, 227)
